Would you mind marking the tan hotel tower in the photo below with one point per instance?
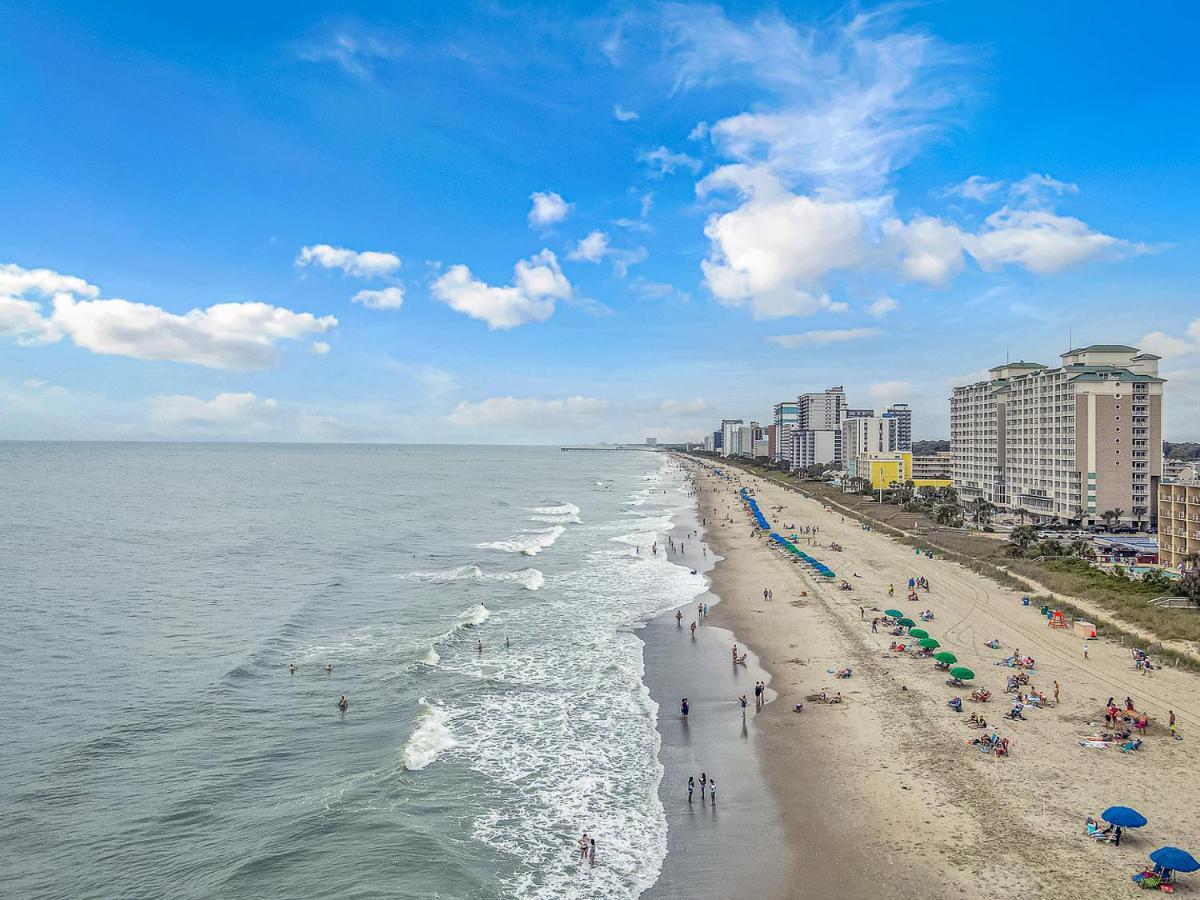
(1069, 442)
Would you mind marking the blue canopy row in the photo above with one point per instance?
(819, 567)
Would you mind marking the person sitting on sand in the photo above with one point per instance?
(1015, 713)
(1129, 707)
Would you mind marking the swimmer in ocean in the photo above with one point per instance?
(328, 667)
(291, 668)
(343, 704)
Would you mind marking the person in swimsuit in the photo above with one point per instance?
(291, 668)
(328, 668)
(691, 787)
(343, 704)
(712, 790)
(592, 853)
(683, 707)
(742, 700)
(584, 843)
(703, 783)
(679, 618)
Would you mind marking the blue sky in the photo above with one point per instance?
(489, 222)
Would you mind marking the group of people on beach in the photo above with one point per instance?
(706, 784)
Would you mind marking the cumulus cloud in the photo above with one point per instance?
(538, 283)
(684, 407)
(624, 115)
(929, 249)
(1041, 241)
(773, 250)
(591, 248)
(882, 307)
(888, 392)
(662, 162)
(360, 264)
(225, 336)
(1168, 346)
(388, 298)
(242, 410)
(525, 411)
(547, 208)
(823, 338)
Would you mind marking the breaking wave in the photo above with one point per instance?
(530, 579)
(530, 542)
(432, 736)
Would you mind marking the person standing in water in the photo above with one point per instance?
(742, 700)
(592, 853)
(712, 790)
(585, 844)
(683, 707)
(693, 631)
(691, 787)
(679, 618)
(703, 784)
(343, 704)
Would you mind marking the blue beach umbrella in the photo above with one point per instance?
(1123, 816)
(1174, 858)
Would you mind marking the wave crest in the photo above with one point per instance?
(432, 736)
(530, 542)
(530, 579)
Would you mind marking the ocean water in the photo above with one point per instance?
(153, 596)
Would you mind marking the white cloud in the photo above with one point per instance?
(699, 132)
(851, 102)
(527, 411)
(773, 250)
(1034, 187)
(320, 348)
(888, 392)
(662, 161)
(355, 51)
(538, 283)
(824, 338)
(975, 187)
(882, 307)
(223, 336)
(684, 407)
(548, 208)
(624, 115)
(16, 281)
(364, 264)
(658, 290)
(241, 410)
(929, 249)
(1041, 241)
(388, 298)
(591, 249)
(39, 385)
(1168, 346)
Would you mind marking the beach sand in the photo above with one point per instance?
(882, 795)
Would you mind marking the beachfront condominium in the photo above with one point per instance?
(817, 436)
(731, 443)
(936, 465)
(864, 436)
(1069, 443)
(787, 415)
(901, 426)
(1179, 524)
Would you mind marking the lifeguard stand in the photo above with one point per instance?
(1058, 620)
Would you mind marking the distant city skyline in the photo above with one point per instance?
(494, 223)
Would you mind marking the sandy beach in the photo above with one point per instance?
(883, 795)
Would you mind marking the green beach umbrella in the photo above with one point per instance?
(945, 657)
(929, 643)
(918, 633)
(962, 673)
(907, 623)
(894, 613)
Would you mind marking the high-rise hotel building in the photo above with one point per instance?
(1070, 442)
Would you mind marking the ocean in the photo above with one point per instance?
(156, 742)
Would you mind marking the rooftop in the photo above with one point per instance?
(1102, 348)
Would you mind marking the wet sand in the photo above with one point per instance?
(736, 846)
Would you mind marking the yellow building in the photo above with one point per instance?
(1178, 522)
(883, 470)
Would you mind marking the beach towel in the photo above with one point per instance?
(1096, 745)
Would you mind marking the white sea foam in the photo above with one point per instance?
(530, 541)
(530, 579)
(562, 513)
(431, 657)
(432, 736)
(476, 615)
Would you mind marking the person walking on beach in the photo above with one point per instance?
(862, 613)
(1085, 650)
(1056, 693)
(703, 784)
(679, 618)
(1171, 723)
(693, 631)
(742, 700)
(691, 787)
(735, 654)
(712, 791)
(875, 625)
(683, 707)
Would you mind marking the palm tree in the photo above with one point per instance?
(1191, 561)
(1022, 537)
(983, 512)
(946, 514)
(1111, 515)
(1081, 548)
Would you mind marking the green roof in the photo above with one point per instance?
(1103, 348)
(1121, 375)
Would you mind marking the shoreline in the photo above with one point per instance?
(712, 851)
